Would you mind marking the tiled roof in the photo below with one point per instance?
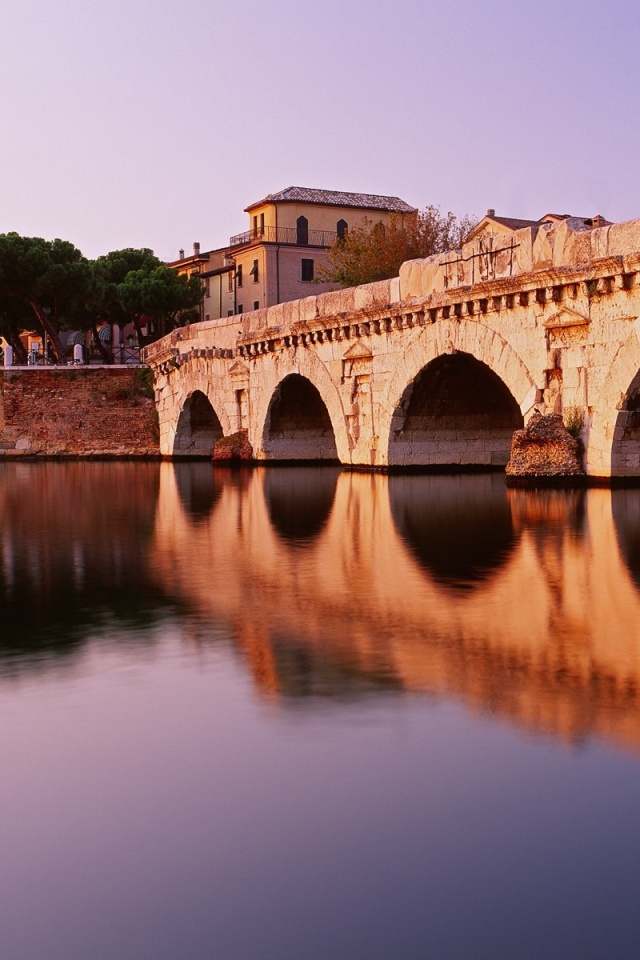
(515, 224)
(336, 198)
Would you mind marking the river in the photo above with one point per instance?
(304, 713)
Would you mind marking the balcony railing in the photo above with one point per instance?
(300, 238)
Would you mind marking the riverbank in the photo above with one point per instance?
(80, 412)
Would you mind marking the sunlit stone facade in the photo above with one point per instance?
(437, 366)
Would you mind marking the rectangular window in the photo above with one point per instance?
(256, 304)
(254, 272)
(207, 287)
(239, 274)
(229, 313)
(230, 280)
(239, 308)
(306, 269)
(255, 226)
(262, 224)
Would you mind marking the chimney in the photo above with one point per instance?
(181, 254)
(491, 212)
(598, 221)
(196, 249)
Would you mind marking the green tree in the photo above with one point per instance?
(103, 302)
(163, 297)
(50, 277)
(15, 318)
(375, 252)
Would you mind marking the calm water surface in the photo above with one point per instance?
(299, 713)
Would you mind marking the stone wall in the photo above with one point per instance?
(79, 412)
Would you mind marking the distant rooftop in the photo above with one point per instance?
(336, 198)
(514, 223)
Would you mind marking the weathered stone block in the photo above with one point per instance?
(544, 449)
(411, 279)
(622, 238)
(523, 253)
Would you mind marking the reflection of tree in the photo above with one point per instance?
(75, 541)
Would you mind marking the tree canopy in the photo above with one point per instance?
(50, 277)
(48, 285)
(375, 252)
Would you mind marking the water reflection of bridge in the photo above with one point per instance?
(520, 603)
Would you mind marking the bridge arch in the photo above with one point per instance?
(321, 432)
(197, 428)
(298, 425)
(614, 436)
(456, 399)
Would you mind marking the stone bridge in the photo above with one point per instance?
(437, 366)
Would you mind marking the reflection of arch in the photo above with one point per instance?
(614, 438)
(455, 411)
(197, 489)
(298, 425)
(299, 500)
(469, 337)
(302, 231)
(198, 428)
(458, 528)
(625, 505)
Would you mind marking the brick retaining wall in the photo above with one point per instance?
(78, 412)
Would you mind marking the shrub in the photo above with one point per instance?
(573, 420)
(143, 381)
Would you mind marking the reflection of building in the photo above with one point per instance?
(278, 258)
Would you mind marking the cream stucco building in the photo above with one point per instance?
(278, 258)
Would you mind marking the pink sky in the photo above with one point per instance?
(139, 123)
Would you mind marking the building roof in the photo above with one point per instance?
(515, 224)
(335, 198)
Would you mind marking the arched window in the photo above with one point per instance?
(342, 229)
(302, 231)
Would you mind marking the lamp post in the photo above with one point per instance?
(45, 344)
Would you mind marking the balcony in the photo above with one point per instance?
(290, 235)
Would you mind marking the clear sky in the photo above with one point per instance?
(148, 123)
